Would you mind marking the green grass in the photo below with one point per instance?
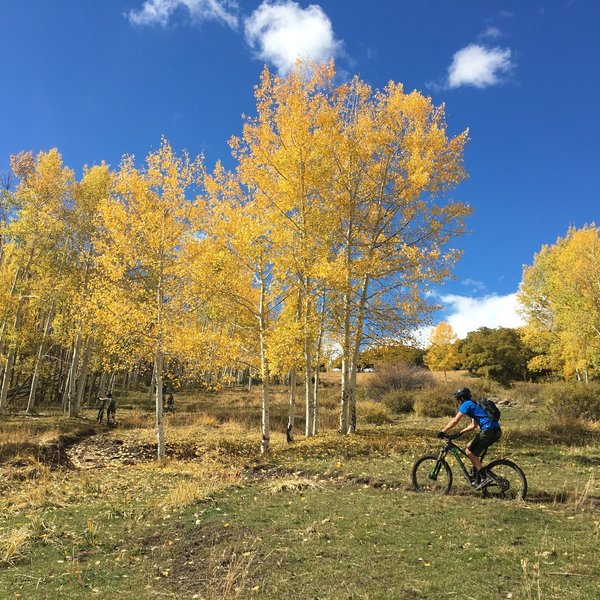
(331, 517)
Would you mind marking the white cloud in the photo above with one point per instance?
(160, 12)
(282, 32)
(474, 284)
(479, 66)
(491, 32)
(468, 313)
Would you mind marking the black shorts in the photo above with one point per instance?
(483, 440)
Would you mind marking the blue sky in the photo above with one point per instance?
(101, 79)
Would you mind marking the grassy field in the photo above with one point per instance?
(85, 511)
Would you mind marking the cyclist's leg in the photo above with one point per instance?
(475, 448)
(479, 446)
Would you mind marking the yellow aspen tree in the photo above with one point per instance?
(241, 235)
(83, 221)
(36, 235)
(284, 157)
(394, 165)
(215, 343)
(146, 223)
(560, 301)
(442, 354)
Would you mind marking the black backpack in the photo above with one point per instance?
(493, 412)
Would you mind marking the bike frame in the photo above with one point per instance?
(451, 448)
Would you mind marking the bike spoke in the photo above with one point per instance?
(431, 475)
(506, 481)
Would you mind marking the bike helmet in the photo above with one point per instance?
(463, 394)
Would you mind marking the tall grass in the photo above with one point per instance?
(13, 543)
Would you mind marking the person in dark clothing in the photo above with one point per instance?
(489, 433)
(111, 409)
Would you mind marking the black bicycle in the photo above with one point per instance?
(431, 473)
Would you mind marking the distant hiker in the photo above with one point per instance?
(170, 402)
(111, 409)
(101, 406)
(164, 392)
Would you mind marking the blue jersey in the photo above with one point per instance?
(476, 412)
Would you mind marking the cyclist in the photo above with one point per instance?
(489, 433)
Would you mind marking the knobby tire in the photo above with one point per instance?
(510, 482)
(422, 471)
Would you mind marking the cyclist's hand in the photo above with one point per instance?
(441, 434)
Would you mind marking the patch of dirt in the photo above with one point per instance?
(103, 451)
(207, 559)
(267, 471)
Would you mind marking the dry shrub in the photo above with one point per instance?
(329, 419)
(434, 402)
(567, 428)
(13, 543)
(398, 377)
(399, 401)
(11, 433)
(187, 492)
(524, 392)
(575, 401)
(23, 468)
(228, 574)
(375, 413)
(193, 420)
(291, 484)
(329, 398)
(136, 419)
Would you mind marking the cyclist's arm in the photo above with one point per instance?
(472, 425)
(453, 422)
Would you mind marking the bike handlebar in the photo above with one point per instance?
(451, 436)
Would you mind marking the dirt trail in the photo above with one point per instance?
(104, 450)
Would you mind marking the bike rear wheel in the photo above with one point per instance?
(432, 474)
(507, 481)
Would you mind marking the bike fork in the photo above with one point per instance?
(438, 465)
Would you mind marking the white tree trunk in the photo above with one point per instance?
(38, 361)
(291, 407)
(315, 411)
(10, 363)
(308, 384)
(160, 426)
(83, 375)
(265, 420)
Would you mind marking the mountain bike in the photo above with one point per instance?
(432, 473)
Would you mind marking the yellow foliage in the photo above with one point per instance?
(561, 301)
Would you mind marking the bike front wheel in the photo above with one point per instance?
(507, 481)
(432, 474)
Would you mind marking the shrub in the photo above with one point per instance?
(328, 398)
(374, 413)
(522, 392)
(398, 377)
(434, 402)
(567, 429)
(399, 401)
(572, 400)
